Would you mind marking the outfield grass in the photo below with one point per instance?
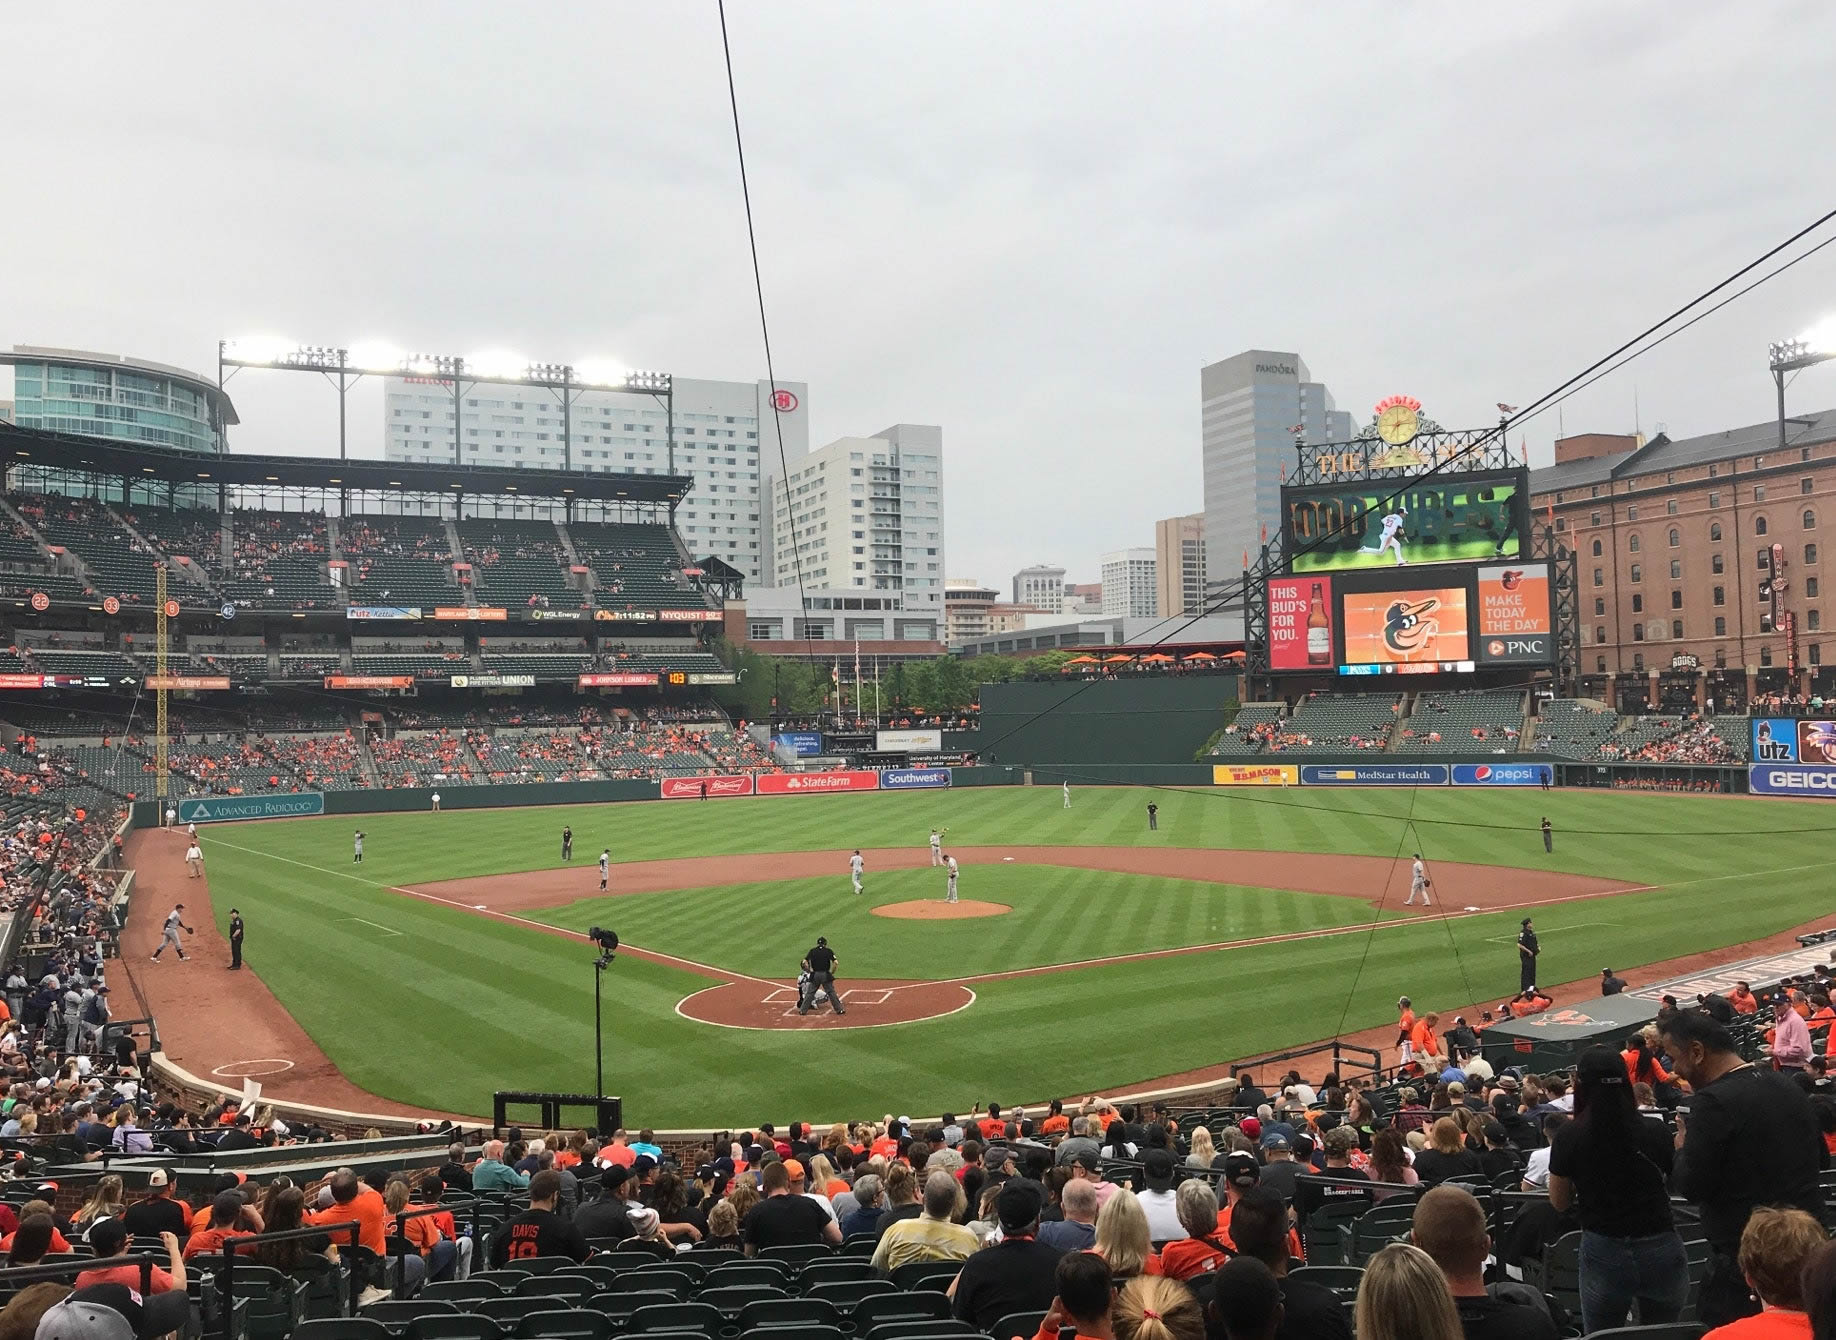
(456, 1004)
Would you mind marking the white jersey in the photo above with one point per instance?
(950, 865)
(936, 841)
(856, 864)
(605, 863)
(1417, 875)
(173, 919)
(1391, 524)
(191, 830)
(194, 853)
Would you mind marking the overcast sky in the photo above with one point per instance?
(1029, 223)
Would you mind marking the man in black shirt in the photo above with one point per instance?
(1248, 1095)
(608, 1217)
(1527, 950)
(1449, 1225)
(1718, 1008)
(238, 1136)
(819, 963)
(1749, 1138)
(539, 1231)
(454, 1172)
(1609, 984)
(158, 1213)
(1259, 1230)
(1017, 1274)
(783, 1219)
(235, 939)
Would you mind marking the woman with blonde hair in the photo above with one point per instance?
(1150, 1308)
(823, 1180)
(1203, 1151)
(1122, 1238)
(105, 1202)
(1403, 1296)
(1447, 1155)
(723, 1227)
(743, 1194)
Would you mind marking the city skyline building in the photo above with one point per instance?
(121, 399)
(1128, 584)
(1179, 564)
(1250, 408)
(1042, 586)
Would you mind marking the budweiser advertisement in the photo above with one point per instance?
(690, 788)
(817, 783)
(182, 682)
(369, 681)
(1300, 623)
(620, 679)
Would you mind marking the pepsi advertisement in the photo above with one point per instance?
(1503, 774)
(802, 743)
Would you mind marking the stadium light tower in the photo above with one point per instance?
(345, 367)
(1815, 346)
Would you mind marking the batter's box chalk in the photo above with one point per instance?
(780, 996)
(866, 997)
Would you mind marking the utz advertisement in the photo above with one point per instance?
(1258, 774)
(1459, 519)
(693, 788)
(1786, 740)
(1515, 623)
(1413, 627)
(1503, 774)
(1300, 623)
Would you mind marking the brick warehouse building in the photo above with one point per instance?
(1672, 538)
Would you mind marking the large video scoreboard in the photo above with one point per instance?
(1418, 575)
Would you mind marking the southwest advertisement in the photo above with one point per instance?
(1515, 623)
(914, 779)
(1341, 527)
(1256, 774)
(1412, 627)
(1300, 623)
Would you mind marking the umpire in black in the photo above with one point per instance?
(819, 965)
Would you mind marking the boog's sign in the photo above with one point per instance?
(1772, 779)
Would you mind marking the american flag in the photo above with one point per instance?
(1506, 409)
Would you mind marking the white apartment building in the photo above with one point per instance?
(1128, 584)
(723, 431)
(1250, 406)
(864, 513)
(1041, 586)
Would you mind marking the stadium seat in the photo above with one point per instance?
(570, 1287)
(618, 1260)
(710, 1257)
(810, 1332)
(459, 1326)
(395, 1314)
(599, 1276)
(1675, 1330)
(845, 1294)
(927, 1275)
(860, 1244)
(702, 1317)
(1378, 1227)
(836, 1270)
(509, 1312)
(901, 1306)
(1562, 1272)
(918, 1328)
(780, 1312)
(341, 1328)
(1023, 1325)
(1342, 1280)
(462, 1291)
(566, 1324)
(731, 1299)
(620, 1306)
(680, 1283)
(775, 1274)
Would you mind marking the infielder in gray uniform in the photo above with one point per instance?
(175, 922)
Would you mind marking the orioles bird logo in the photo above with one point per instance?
(1407, 630)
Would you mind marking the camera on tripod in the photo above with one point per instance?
(607, 940)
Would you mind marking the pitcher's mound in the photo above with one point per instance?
(936, 909)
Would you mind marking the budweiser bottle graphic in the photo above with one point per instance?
(1319, 630)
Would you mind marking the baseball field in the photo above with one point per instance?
(443, 967)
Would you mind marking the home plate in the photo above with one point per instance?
(1007, 858)
(478, 907)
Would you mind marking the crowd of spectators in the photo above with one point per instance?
(418, 758)
(1698, 741)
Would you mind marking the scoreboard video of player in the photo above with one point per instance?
(1372, 524)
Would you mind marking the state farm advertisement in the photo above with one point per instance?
(618, 679)
(691, 788)
(1515, 624)
(816, 783)
(1300, 623)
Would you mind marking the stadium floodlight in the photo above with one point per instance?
(374, 356)
(600, 372)
(257, 349)
(492, 364)
(1816, 345)
(426, 365)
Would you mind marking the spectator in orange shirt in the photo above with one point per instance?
(1743, 999)
(617, 1152)
(1424, 1042)
(229, 1218)
(443, 1257)
(992, 1125)
(1405, 1030)
(1056, 1122)
(1642, 1065)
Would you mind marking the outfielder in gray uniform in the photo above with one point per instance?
(175, 922)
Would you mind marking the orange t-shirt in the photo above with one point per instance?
(1661, 1075)
(1743, 1002)
(1771, 1324)
(1151, 1266)
(1294, 1242)
(1405, 1025)
(1424, 1039)
(1186, 1257)
(421, 1232)
(367, 1209)
(619, 1155)
(1053, 1125)
(211, 1239)
(57, 1244)
(992, 1127)
(1823, 1018)
(834, 1188)
(567, 1158)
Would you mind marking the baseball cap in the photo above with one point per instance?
(1241, 1170)
(143, 1317)
(77, 1318)
(1157, 1164)
(793, 1169)
(1276, 1142)
(642, 1164)
(1251, 1127)
(157, 1177)
(614, 1176)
